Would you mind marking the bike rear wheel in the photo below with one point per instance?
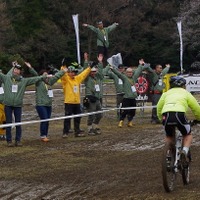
(168, 172)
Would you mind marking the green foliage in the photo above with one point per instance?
(42, 31)
(26, 17)
(7, 59)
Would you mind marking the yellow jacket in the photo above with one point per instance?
(71, 87)
(177, 100)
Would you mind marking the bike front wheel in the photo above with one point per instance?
(168, 169)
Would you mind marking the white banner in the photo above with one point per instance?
(76, 27)
(192, 83)
(115, 60)
(179, 26)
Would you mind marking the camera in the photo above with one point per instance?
(52, 69)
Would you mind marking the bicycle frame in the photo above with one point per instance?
(178, 146)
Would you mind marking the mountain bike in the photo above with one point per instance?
(172, 164)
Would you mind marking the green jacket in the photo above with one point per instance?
(42, 97)
(156, 80)
(15, 98)
(93, 85)
(128, 83)
(117, 81)
(102, 35)
(2, 85)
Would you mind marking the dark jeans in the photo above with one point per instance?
(17, 114)
(72, 109)
(44, 112)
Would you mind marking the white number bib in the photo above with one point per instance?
(133, 88)
(97, 88)
(75, 89)
(1, 90)
(160, 82)
(120, 82)
(50, 93)
(14, 88)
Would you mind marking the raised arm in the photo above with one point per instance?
(90, 27)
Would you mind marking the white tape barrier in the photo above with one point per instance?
(71, 116)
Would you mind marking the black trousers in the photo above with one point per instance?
(130, 113)
(72, 109)
(103, 50)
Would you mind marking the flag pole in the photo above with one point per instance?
(76, 27)
(179, 26)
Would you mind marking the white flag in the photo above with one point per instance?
(115, 60)
(76, 27)
(179, 26)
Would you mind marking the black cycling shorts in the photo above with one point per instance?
(171, 120)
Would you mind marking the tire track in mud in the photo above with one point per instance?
(18, 190)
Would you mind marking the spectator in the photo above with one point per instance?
(44, 95)
(14, 89)
(2, 113)
(94, 94)
(2, 107)
(118, 85)
(65, 63)
(71, 87)
(102, 36)
(157, 86)
(130, 93)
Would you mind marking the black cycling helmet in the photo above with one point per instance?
(177, 81)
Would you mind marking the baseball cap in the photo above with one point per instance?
(72, 69)
(99, 22)
(94, 69)
(121, 66)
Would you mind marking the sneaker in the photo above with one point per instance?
(45, 139)
(10, 144)
(79, 131)
(18, 144)
(79, 134)
(71, 131)
(120, 124)
(97, 131)
(2, 137)
(65, 135)
(183, 158)
(91, 132)
(130, 124)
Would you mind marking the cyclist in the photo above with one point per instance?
(171, 109)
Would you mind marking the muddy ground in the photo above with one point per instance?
(121, 164)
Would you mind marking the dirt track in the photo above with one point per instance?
(119, 164)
